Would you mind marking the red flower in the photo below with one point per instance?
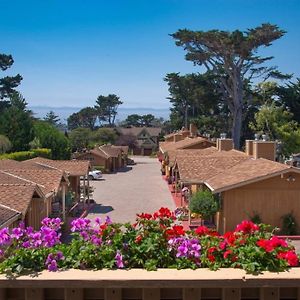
(247, 227)
(277, 242)
(230, 237)
(210, 253)
(144, 216)
(164, 212)
(227, 253)
(138, 239)
(290, 256)
(202, 230)
(265, 244)
(176, 230)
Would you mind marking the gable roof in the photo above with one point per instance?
(185, 143)
(246, 172)
(8, 215)
(47, 179)
(123, 148)
(18, 197)
(198, 169)
(135, 131)
(172, 154)
(110, 151)
(72, 167)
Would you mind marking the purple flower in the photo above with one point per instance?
(4, 236)
(185, 247)
(108, 220)
(96, 240)
(17, 233)
(52, 267)
(119, 260)
(98, 221)
(80, 224)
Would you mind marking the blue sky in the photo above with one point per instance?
(71, 51)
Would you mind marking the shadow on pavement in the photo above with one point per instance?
(101, 209)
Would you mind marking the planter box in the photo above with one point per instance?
(139, 284)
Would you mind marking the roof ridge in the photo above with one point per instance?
(7, 207)
(16, 176)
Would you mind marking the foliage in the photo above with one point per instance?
(255, 218)
(107, 108)
(24, 155)
(192, 96)
(8, 83)
(277, 123)
(5, 144)
(53, 139)
(204, 203)
(52, 118)
(289, 224)
(154, 241)
(232, 58)
(104, 136)
(85, 118)
(147, 120)
(80, 138)
(16, 123)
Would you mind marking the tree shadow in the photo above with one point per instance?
(101, 209)
(124, 169)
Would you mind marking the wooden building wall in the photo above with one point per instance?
(271, 199)
(36, 212)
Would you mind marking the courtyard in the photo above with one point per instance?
(134, 189)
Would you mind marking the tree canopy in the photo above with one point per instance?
(232, 57)
(107, 108)
(8, 83)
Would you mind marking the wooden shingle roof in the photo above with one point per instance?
(72, 167)
(246, 172)
(185, 143)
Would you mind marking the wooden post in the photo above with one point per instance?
(64, 202)
(88, 191)
(84, 190)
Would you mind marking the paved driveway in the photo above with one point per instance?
(136, 189)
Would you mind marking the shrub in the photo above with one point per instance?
(289, 224)
(24, 155)
(5, 144)
(204, 203)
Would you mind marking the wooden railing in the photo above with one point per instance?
(201, 284)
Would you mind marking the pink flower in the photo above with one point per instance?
(119, 260)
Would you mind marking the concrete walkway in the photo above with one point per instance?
(138, 188)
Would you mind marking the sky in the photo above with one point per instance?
(71, 51)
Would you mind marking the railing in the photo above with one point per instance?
(201, 284)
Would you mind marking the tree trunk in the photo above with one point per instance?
(237, 126)
(186, 117)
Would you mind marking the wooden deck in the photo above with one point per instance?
(225, 284)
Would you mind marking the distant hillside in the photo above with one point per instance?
(65, 112)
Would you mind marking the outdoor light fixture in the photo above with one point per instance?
(256, 136)
(291, 178)
(223, 136)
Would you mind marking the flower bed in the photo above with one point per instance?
(154, 241)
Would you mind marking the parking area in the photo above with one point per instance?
(135, 189)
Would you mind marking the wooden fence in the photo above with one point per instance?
(202, 284)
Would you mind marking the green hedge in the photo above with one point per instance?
(24, 155)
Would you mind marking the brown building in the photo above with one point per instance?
(146, 139)
(246, 184)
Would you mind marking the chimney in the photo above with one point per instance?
(178, 137)
(224, 144)
(264, 149)
(193, 130)
(249, 147)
